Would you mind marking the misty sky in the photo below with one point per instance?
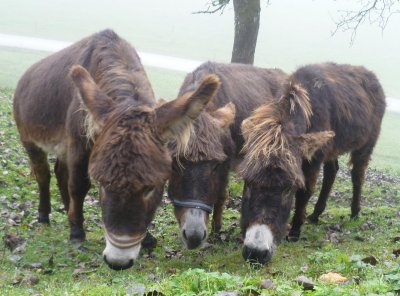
(292, 32)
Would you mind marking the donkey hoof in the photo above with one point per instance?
(149, 242)
(354, 216)
(77, 236)
(44, 218)
(313, 218)
(293, 236)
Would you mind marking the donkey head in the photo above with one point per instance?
(199, 175)
(271, 168)
(130, 158)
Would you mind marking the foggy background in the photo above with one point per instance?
(292, 33)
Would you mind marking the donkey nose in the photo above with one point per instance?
(193, 237)
(255, 256)
(119, 265)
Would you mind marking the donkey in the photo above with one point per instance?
(326, 110)
(198, 183)
(92, 105)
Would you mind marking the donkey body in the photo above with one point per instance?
(326, 110)
(199, 178)
(92, 105)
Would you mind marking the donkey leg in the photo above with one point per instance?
(61, 172)
(359, 159)
(78, 186)
(330, 170)
(310, 171)
(217, 212)
(40, 168)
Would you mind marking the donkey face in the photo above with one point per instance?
(130, 159)
(272, 172)
(199, 176)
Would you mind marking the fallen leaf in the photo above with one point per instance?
(226, 293)
(333, 277)
(171, 270)
(17, 280)
(268, 284)
(304, 268)
(370, 260)
(12, 241)
(305, 282)
(15, 258)
(30, 280)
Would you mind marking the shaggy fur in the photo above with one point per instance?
(92, 105)
(326, 110)
(267, 143)
(201, 173)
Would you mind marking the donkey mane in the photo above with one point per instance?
(116, 74)
(131, 138)
(268, 136)
(205, 140)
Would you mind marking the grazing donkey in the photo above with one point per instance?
(199, 177)
(326, 110)
(92, 106)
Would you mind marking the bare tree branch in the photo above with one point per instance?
(219, 5)
(374, 11)
(214, 6)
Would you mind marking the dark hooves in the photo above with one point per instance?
(77, 236)
(44, 218)
(313, 218)
(149, 242)
(294, 236)
(354, 216)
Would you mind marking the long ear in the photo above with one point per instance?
(295, 96)
(95, 100)
(312, 142)
(174, 118)
(225, 115)
(161, 102)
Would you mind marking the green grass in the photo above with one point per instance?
(65, 269)
(386, 154)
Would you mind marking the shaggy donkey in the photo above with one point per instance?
(326, 110)
(92, 105)
(200, 175)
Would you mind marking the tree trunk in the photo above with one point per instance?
(247, 22)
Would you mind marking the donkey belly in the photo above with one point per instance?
(42, 122)
(56, 146)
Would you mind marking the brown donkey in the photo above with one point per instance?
(92, 106)
(199, 177)
(326, 110)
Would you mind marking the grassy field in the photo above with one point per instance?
(39, 260)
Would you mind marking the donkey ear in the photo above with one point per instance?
(174, 118)
(312, 142)
(161, 102)
(95, 100)
(225, 115)
(295, 97)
